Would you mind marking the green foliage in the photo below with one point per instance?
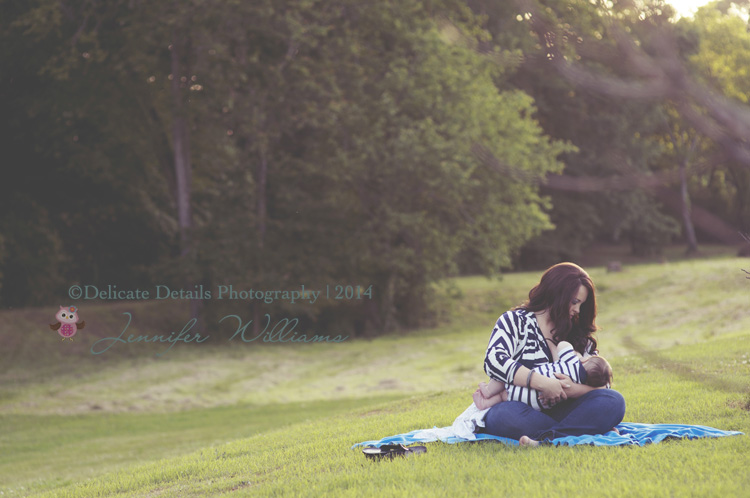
(329, 143)
(575, 219)
(83, 198)
(611, 135)
(722, 54)
(644, 226)
(29, 276)
(371, 170)
(719, 59)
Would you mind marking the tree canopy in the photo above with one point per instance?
(389, 144)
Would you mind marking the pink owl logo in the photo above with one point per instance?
(66, 324)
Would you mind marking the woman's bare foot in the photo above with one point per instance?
(527, 441)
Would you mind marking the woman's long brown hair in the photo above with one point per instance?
(555, 292)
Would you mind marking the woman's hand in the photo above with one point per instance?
(551, 391)
(573, 390)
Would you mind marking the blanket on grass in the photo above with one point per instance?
(629, 434)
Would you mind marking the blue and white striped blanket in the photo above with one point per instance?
(630, 433)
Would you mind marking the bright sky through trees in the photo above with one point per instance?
(686, 8)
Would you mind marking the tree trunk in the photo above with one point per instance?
(261, 211)
(388, 305)
(687, 216)
(182, 167)
(686, 212)
(262, 202)
(181, 152)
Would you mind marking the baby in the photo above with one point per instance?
(593, 371)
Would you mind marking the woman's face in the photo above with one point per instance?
(578, 299)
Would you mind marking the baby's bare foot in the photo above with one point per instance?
(479, 400)
(483, 403)
(527, 441)
(484, 388)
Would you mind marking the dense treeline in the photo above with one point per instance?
(621, 139)
(270, 144)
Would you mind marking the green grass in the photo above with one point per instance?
(280, 419)
(91, 444)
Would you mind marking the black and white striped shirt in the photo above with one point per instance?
(517, 340)
(567, 363)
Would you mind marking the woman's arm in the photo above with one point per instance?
(574, 390)
(551, 391)
(504, 341)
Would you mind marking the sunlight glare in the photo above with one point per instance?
(686, 8)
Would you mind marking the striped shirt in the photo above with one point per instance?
(517, 340)
(568, 364)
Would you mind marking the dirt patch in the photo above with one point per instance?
(742, 404)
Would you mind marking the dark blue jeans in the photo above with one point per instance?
(596, 412)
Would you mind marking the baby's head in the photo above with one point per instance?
(598, 371)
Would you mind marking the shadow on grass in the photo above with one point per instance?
(684, 370)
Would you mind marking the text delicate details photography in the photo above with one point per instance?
(267, 330)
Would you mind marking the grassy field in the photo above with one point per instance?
(280, 419)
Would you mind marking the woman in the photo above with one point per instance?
(562, 307)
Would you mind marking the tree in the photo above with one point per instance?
(595, 198)
(375, 149)
(79, 193)
(720, 61)
(329, 143)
